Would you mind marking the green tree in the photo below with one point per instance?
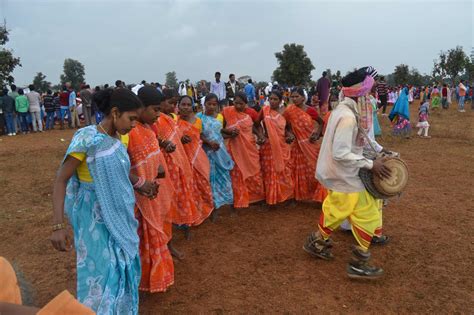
(40, 83)
(294, 66)
(7, 61)
(171, 80)
(73, 73)
(401, 74)
(451, 63)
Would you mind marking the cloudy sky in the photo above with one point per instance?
(135, 40)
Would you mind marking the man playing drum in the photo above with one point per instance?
(338, 167)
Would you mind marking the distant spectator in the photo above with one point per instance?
(48, 103)
(34, 100)
(86, 97)
(218, 87)
(75, 123)
(8, 107)
(22, 106)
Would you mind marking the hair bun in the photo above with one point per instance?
(102, 99)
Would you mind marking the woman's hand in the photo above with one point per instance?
(290, 138)
(214, 146)
(315, 136)
(261, 140)
(61, 240)
(161, 172)
(185, 139)
(149, 189)
(169, 146)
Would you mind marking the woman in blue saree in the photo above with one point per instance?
(219, 159)
(94, 188)
(400, 115)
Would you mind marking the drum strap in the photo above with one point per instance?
(361, 130)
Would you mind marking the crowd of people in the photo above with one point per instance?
(152, 161)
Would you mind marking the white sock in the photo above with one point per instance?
(426, 131)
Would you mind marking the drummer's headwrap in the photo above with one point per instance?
(358, 84)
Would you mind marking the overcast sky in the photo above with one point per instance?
(135, 40)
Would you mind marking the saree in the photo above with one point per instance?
(375, 120)
(435, 98)
(275, 157)
(247, 182)
(202, 192)
(220, 161)
(400, 115)
(105, 229)
(153, 215)
(180, 172)
(304, 154)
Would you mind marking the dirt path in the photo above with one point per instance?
(254, 262)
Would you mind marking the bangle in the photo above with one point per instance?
(139, 183)
(59, 226)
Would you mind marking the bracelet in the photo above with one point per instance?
(140, 182)
(59, 226)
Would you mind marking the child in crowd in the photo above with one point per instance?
(423, 114)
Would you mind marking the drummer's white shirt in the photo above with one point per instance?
(340, 157)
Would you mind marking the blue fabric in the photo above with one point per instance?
(105, 229)
(250, 91)
(375, 121)
(220, 161)
(10, 123)
(401, 107)
(50, 120)
(72, 99)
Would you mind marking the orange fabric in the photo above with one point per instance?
(245, 153)
(304, 154)
(65, 303)
(246, 176)
(9, 289)
(199, 161)
(275, 156)
(180, 171)
(154, 215)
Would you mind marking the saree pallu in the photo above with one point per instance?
(220, 161)
(275, 156)
(304, 154)
(202, 191)
(180, 171)
(153, 215)
(105, 229)
(247, 182)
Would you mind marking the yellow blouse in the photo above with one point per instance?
(82, 170)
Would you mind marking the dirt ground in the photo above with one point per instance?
(254, 262)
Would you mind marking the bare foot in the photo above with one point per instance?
(174, 252)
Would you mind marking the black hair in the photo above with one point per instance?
(13, 87)
(118, 83)
(169, 94)
(97, 88)
(210, 96)
(106, 86)
(298, 90)
(249, 80)
(31, 87)
(325, 73)
(20, 91)
(230, 75)
(242, 96)
(382, 77)
(55, 94)
(277, 94)
(143, 82)
(64, 88)
(150, 96)
(49, 92)
(217, 73)
(125, 100)
(183, 97)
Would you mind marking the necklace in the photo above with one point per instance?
(105, 131)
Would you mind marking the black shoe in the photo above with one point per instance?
(362, 270)
(380, 240)
(318, 248)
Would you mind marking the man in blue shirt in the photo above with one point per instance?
(250, 91)
(73, 109)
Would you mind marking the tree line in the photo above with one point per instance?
(294, 69)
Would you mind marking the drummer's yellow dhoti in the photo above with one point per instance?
(360, 208)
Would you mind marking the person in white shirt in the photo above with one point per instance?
(34, 99)
(339, 162)
(218, 87)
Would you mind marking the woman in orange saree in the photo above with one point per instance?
(153, 215)
(191, 127)
(275, 152)
(304, 152)
(181, 173)
(247, 182)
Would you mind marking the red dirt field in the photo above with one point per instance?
(254, 262)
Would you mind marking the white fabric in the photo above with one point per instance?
(340, 157)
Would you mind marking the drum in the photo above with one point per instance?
(384, 188)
